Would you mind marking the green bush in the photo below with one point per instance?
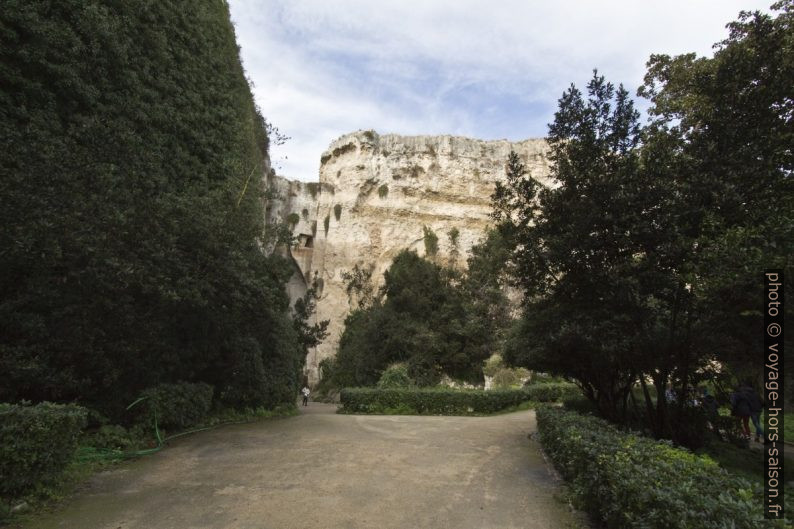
(178, 405)
(110, 437)
(580, 404)
(431, 241)
(395, 376)
(506, 378)
(552, 392)
(438, 401)
(338, 212)
(493, 364)
(630, 481)
(36, 444)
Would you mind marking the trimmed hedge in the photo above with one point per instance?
(178, 405)
(447, 401)
(36, 443)
(629, 481)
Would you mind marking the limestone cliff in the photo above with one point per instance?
(375, 195)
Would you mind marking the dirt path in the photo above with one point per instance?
(321, 470)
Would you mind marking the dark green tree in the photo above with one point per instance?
(721, 135)
(573, 255)
(423, 318)
(646, 260)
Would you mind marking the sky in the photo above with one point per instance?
(488, 69)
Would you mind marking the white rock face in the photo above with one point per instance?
(385, 189)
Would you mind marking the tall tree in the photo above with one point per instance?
(721, 134)
(573, 253)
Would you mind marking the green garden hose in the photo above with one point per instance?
(94, 454)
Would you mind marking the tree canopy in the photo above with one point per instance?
(646, 257)
(435, 320)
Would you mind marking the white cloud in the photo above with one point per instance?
(484, 69)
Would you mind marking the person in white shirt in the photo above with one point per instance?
(305, 391)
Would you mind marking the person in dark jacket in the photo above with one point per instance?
(756, 405)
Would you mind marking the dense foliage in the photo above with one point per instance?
(395, 376)
(132, 208)
(177, 405)
(36, 444)
(441, 401)
(645, 260)
(629, 481)
(431, 318)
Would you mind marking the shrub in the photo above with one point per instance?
(552, 392)
(580, 404)
(36, 444)
(631, 481)
(178, 405)
(326, 223)
(293, 219)
(537, 377)
(383, 191)
(338, 212)
(431, 241)
(313, 187)
(444, 401)
(110, 437)
(505, 378)
(492, 365)
(395, 376)
(454, 236)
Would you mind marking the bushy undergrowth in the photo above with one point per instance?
(629, 481)
(439, 401)
(177, 405)
(395, 376)
(36, 444)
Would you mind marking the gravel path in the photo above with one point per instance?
(322, 470)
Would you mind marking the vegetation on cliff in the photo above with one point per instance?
(132, 209)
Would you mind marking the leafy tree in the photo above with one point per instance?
(423, 319)
(485, 286)
(724, 127)
(358, 285)
(572, 255)
(309, 334)
(646, 259)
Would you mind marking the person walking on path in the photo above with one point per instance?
(756, 405)
(305, 392)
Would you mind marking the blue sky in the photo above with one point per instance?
(485, 69)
